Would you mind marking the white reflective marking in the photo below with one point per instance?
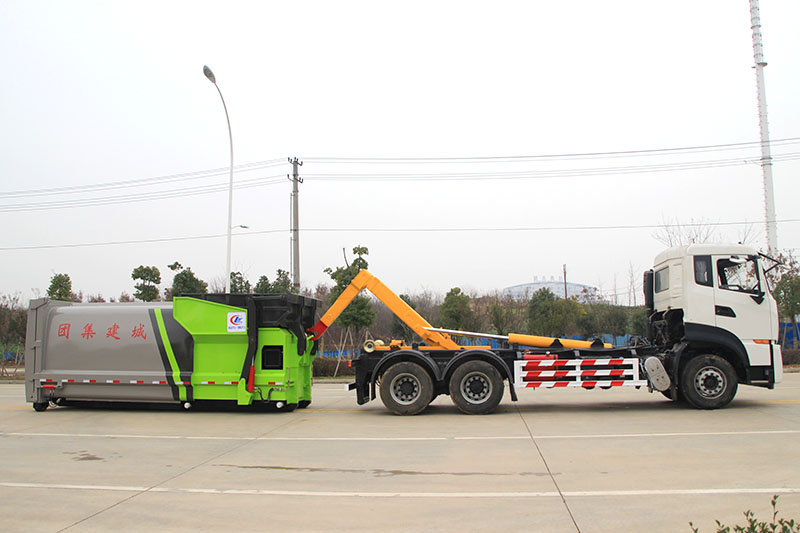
(350, 494)
(402, 439)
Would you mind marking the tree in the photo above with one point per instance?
(397, 328)
(96, 298)
(673, 233)
(787, 294)
(540, 312)
(60, 288)
(239, 285)
(637, 321)
(505, 314)
(455, 312)
(551, 316)
(149, 279)
(184, 282)
(359, 314)
(13, 321)
(124, 297)
(283, 284)
(614, 320)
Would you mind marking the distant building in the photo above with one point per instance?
(526, 290)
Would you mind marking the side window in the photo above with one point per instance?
(661, 280)
(702, 270)
(738, 274)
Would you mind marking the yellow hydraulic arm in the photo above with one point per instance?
(365, 280)
(434, 337)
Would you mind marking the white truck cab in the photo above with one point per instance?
(715, 300)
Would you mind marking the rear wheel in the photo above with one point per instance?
(40, 406)
(476, 387)
(302, 404)
(406, 388)
(708, 382)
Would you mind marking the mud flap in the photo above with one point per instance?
(656, 374)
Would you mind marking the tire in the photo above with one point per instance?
(406, 389)
(302, 404)
(668, 395)
(40, 406)
(708, 382)
(476, 387)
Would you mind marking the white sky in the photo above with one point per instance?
(100, 92)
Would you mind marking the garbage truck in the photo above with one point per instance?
(712, 325)
(236, 348)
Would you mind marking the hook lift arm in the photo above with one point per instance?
(365, 280)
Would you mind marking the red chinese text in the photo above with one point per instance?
(113, 331)
(138, 331)
(63, 330)
(88, 332)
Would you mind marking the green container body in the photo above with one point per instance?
(230, 347)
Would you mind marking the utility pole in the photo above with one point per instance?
(565, 281)
(766, 156)
(296, 181)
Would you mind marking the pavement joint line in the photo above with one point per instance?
(549, 471)
(157, 486)
(410, 439)
(389, 494)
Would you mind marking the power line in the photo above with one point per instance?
(142, 197)
(554, 157)
(549, 174)
(395, 230)
(170, 178)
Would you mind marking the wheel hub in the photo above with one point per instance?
(476, 387)
(710, 382)
(405, 388)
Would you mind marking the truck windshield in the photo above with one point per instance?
(738, 274)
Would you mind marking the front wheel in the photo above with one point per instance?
(406, 388)
(476, 387)
(708, 382)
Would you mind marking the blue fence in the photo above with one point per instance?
(792, 333)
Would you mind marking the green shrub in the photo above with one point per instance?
(777, 525)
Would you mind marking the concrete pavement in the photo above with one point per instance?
(557, 460)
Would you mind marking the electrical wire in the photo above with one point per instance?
(142, 197)
(396, 230)
(555, 157)
(183, 176)
(549, 174)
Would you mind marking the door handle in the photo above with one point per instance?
(721, 310)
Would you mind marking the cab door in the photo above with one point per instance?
(741, 305)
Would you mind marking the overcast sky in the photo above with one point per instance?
(411, 118)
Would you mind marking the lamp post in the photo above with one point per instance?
(212, 79)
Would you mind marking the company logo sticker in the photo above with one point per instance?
(237, 322)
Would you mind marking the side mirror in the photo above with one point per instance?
(758, 298)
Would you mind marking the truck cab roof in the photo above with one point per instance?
(704, 249)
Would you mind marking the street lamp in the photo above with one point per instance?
(212, 79)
